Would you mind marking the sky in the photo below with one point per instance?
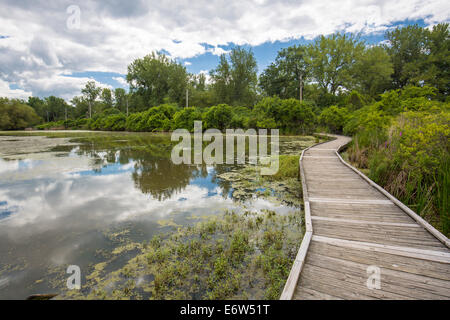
(52, 47)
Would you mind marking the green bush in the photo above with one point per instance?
(185, 118)
(15, 115)
(218, 117)
(406, 149)
(289, 115)
(334, 118)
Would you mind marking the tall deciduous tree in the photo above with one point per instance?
(222, 80)
(107, 98)
(234, 81)
(157, 79)
(331, 59)
(407, 49)
(371, 73)
(38, 105)
(120, 99)
(437, 63)
(244, 74)
(56, 108)
(283, 76)
(90, 93)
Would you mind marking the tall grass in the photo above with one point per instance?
(443, 189)
(410, 159)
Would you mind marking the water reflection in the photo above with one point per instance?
(57, 206)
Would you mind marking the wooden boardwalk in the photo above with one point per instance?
(353, 229)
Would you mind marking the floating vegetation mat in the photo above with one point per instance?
(283, 187)
(243, 253)
(234, 256)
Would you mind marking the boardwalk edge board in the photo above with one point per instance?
(438, 235)
(291, 282)
(299, 262)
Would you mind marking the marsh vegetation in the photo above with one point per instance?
(140, 227)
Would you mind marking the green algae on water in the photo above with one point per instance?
(234, 256)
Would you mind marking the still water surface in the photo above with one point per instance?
(62, 201)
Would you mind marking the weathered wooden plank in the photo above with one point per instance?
(401, 205)
(355, 224)
(343, 285)
(366, 223)
(424, 254)
(392, 218)
(320, 157)
(304, 293)
(392, 282)
(349, 200)
(427, 268)
(388, 235)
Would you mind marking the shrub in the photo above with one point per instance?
(289, 115)
(185, 118)
(16, 115)
(218, 117)
(334, 118)
(408, 154)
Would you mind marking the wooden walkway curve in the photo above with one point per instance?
(355, 229)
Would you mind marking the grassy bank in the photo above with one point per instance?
(405, 148)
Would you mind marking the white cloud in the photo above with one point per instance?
(39, 46)
(187, 63)
(66, 86)
(6, 91)
(218, 51)
(121, 80)
(207, 76)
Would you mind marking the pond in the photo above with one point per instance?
(97, 200)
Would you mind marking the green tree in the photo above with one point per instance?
(218, 117)
(56, 108)
(199, 93)
(90, 94)
(14, 114)
(289, 115)
(222, 81)
(282, 77)
(334, 118)
(107, 98)
(371, 73)
(185, 118)
(120, 97)
(407, 49)
(243, 73)
(157, 79)
(331, 60)
(81, 107)
(437, 63)
(39, 106)
(234, 81)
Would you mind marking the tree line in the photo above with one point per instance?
(339, 70)
(392, 98)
